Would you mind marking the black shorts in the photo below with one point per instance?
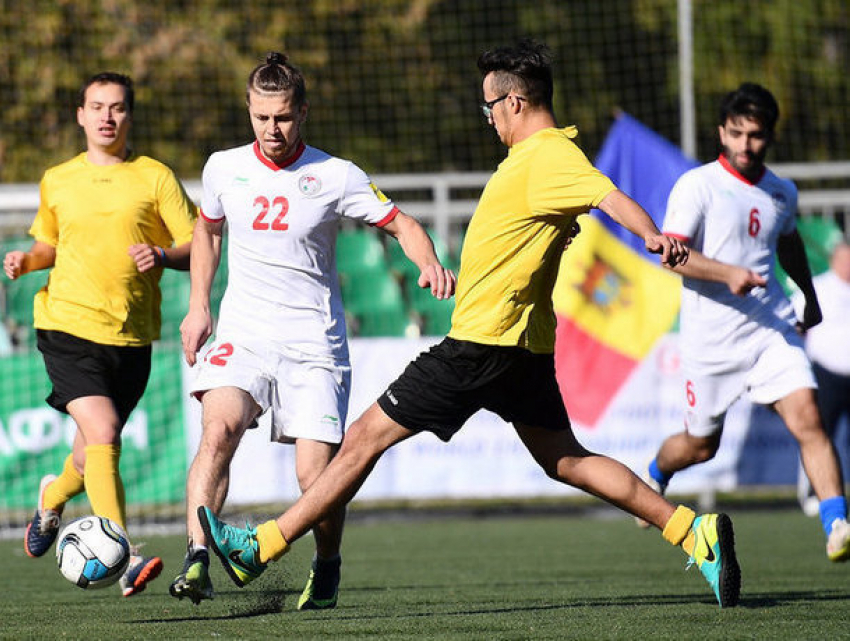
(78, 367)
(446, 385)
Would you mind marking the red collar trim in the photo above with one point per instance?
(728, 167)
(286, 163)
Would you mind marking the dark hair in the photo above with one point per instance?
(750, 101)
(277, 75)
(108, 78)
(525, 68)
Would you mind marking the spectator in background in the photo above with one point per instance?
(739, 333)
(499, 354)
(106, 225)
(828, 347)
(280, 346)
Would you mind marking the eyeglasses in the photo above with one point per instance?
(487, 107)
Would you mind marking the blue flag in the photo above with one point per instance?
(645, 166)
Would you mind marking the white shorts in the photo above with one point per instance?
(779, 367)
(304, 398)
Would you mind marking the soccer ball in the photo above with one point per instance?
(92, 552)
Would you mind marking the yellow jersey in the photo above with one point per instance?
(92, 214)
(513, 245)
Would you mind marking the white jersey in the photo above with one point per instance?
(720, 213)
(282, 222)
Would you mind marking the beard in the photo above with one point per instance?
(749, 165)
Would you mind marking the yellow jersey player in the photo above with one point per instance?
(499, 354)
(108, 222)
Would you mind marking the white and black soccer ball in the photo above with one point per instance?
(92, 552)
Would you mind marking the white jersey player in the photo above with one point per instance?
(738, 329)
(282, 224)
(281, 332)
(719, 212)
(280, 345)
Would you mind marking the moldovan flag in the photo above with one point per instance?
(612, 299)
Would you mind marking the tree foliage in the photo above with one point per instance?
(393, 83)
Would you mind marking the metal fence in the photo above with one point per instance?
(445, 201)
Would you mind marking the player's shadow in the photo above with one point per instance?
(261, 603)
(773, 599)
(267, 595)
(240, 605)
(270, 593)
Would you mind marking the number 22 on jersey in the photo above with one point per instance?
(276, 210)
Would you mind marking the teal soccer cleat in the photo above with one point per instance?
(237, 548)
(714, 555)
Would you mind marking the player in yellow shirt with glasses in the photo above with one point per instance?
(108, 222)
(499, 354)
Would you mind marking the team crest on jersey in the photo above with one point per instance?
(309, 185)
(378, 193)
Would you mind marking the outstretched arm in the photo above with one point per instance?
(417, 246)
(691, 263)
(196, 328)
(40, 256)
(740, 280)
(626, 212)
(792, 256)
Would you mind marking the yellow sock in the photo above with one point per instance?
(103, 482)
(678, 528)
(688, 543)
(65, 487)
(272, 544)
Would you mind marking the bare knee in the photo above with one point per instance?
(358, 443)
(226, 414)
(564, 470)
(801, 416)
(364, 442)
(311, 459)
(220, 437)
(306, 478)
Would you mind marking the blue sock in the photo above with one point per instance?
(662, 478)
(831, 509)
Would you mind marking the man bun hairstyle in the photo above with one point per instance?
(278, 75)
(525, 68)
(750, 100)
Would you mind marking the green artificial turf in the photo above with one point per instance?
(527, 577)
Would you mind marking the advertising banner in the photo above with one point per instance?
(35, 439)
(486, 459)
